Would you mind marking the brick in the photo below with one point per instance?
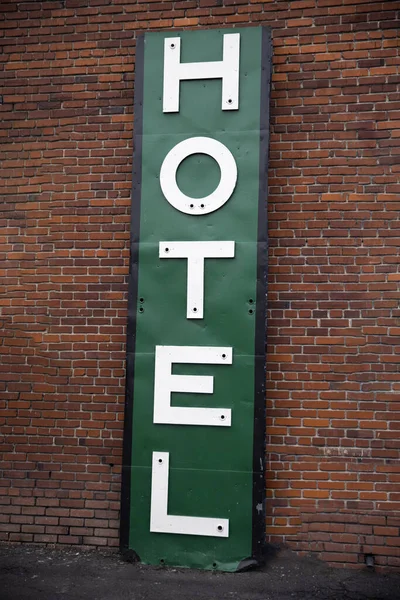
(333, 312)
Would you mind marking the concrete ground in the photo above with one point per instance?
(43, 573)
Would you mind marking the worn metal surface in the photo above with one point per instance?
(214, 472)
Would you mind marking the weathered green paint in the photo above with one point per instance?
(211, 468)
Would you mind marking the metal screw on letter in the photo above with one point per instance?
(230, 100)
(160, 460)
(172, 46)
(228, 175)
(220, 528)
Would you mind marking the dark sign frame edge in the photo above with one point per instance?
(132, 301)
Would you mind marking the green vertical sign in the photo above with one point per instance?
(193, 481)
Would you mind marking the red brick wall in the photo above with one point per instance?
(67, 75)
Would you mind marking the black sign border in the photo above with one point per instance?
(259, 433)
(132, 302)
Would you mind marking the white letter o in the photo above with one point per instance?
(210, 203)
